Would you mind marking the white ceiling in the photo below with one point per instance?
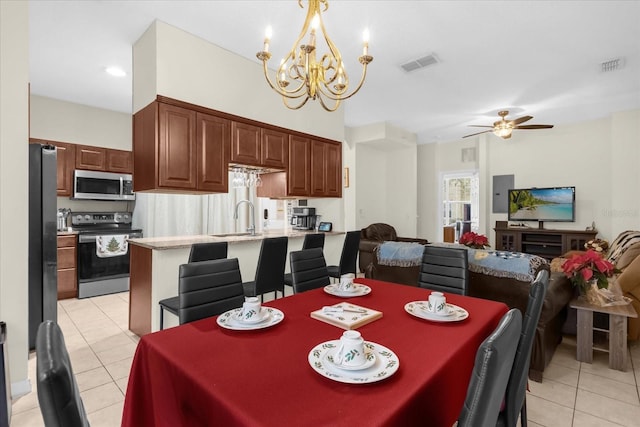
(540, 58)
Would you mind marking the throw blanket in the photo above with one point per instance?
(624, 240)
(512, 265)
(400, 254)
(111, 245)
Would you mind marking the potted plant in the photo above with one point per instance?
(587, 269)
(474, 240)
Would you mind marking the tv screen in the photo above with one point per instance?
(542, 204)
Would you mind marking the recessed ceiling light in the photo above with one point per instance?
(115, 71)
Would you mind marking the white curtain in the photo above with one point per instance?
(161, 215)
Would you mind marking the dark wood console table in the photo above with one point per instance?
(545, 243)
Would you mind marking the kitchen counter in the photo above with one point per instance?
(67, 233)
(176, 242)
(155, 262)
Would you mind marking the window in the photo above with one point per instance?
(460, 198)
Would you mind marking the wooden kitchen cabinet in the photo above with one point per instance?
(245, 144)
(66, 161)
(119, 161)
(192, 150)
(91, 158)
(298, 173)
(274, 149)
(67, 270)
(326, 169)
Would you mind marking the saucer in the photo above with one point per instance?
(419, 309)
(385, 364)
(261, 317)
(229, 319)
(358, 290)
(450, 310)
(369, 354)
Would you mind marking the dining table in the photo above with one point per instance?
(202, 374)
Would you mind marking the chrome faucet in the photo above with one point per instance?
(252, 228)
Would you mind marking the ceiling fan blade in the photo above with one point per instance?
(474, 134)
(480, 126)
(521, 120)
(534, 127)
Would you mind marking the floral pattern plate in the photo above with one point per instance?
(419, 309)
(386, 364)
(359, 290)
(229, 320)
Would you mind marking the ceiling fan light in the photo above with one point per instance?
(503, 132)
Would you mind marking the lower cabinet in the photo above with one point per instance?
(67, 271)
(545, 243)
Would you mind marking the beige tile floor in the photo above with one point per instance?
(101, 349)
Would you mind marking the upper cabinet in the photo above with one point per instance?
(180, 147)
(103, 159)
(65, 162)
(176, 148)
(257, 146)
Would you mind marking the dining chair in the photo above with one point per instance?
(208, 251)
(515, 397)
(348, 256)
(270, 269)
(444, 269)
(308, 270)
(209, 288)
(490, 375)
(199, 252)
(312, 240)
(58, 394)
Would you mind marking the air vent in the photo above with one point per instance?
(422, 62)
(612, 65)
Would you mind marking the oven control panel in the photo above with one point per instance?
(86, 218)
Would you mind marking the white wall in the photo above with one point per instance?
(14, 179)
(600, 158)
(63, 121)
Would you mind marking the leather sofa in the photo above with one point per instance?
(373, 235)
(513, 293)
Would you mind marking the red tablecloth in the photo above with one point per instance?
(200, 374)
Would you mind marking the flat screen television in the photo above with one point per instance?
(557, 204)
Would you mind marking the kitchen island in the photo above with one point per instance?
(155, 262)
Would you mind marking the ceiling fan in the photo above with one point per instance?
(503, 127)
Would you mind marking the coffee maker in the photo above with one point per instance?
(303, 218)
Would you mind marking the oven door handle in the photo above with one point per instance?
(91, 238)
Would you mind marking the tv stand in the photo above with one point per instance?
(545, 243)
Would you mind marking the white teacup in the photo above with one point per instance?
(251, 310)
(437, 304)
(350, 351)
(346, 283)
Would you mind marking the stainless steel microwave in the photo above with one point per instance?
(96, 185)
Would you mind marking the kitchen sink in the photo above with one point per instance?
(236, 234)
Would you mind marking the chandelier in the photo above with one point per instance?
(301, 76)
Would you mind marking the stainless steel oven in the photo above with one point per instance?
(103, 254)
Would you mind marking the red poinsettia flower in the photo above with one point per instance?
(581, 269)
(474, 240)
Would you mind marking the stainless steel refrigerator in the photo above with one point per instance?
(43, 257)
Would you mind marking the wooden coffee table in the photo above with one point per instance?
(617, 331)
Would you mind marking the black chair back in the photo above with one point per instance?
(348, 257)
(271, 265)
(208, 288)
(58, 395)
(444, 269)
(314, 240)
(515, 403)
(208, 251)
(308, 270)
(488, 383)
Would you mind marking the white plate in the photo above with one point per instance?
(419, 309)
(229, 320)
(359, 290)
(386, 364)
